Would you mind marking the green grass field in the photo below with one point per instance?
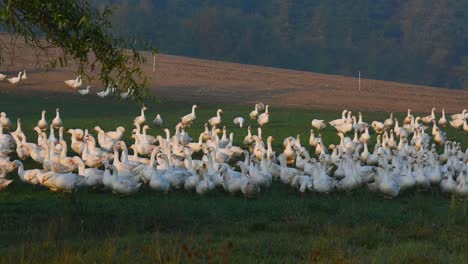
(38, 226)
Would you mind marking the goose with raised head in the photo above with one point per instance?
(457, 123)
(318, 124)
(24, 76)
(105, 142)
(104, 93)
(428, 119)
(408, 119)
(443, 120)
(264, 117)
(289, 153)
(216, 120)
(29, 176)
(76, 145)
(188, 119)
(84, 91)
(57, 121)
(464, 114)
(357, 126)
(389, 121)
(254, 114)
(239, 121)
(141, 118)
(158, 121)
(5, 121)
(42, 123)
(76, 83)
(344, 127)
(15, 80)
(339, 121)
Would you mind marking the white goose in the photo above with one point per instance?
(188, 119)
(318, 124)
(15, 80)
(443, 120)
(2, 76)
(216, 120)
(239, 121)
(57, 121)
(104, 93)
(254, 114)
(141, 118)
(74, 83)
(24, 76)
(123, 186)
(158, 121)
(84, 91)
(126, 94)
(42, 123)
(264, 118)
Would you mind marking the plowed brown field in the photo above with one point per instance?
(195, 80)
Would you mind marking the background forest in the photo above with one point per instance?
(414, 41)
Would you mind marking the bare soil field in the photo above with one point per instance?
(205, 81)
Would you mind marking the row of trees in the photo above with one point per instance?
(415, 41)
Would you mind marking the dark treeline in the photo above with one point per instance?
(415, 41)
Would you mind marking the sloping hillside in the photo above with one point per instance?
(195, 80)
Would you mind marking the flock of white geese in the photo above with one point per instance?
(74, 84)
(404, 157)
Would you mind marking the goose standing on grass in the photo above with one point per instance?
(5, 122)
(188, 119)
(318, 124)
(141, 118)
(443, 121)
(239, 121)
(158, 121)
(428, 119)
(254, 114)
(408, 118)
(264, 118)
(2, 76)
(216, 120)
(84, 91)
(15, 80)
(24, 76)
(57, 121)
(389, 121)
(74, 83)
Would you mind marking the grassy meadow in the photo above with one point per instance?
(278, 226)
